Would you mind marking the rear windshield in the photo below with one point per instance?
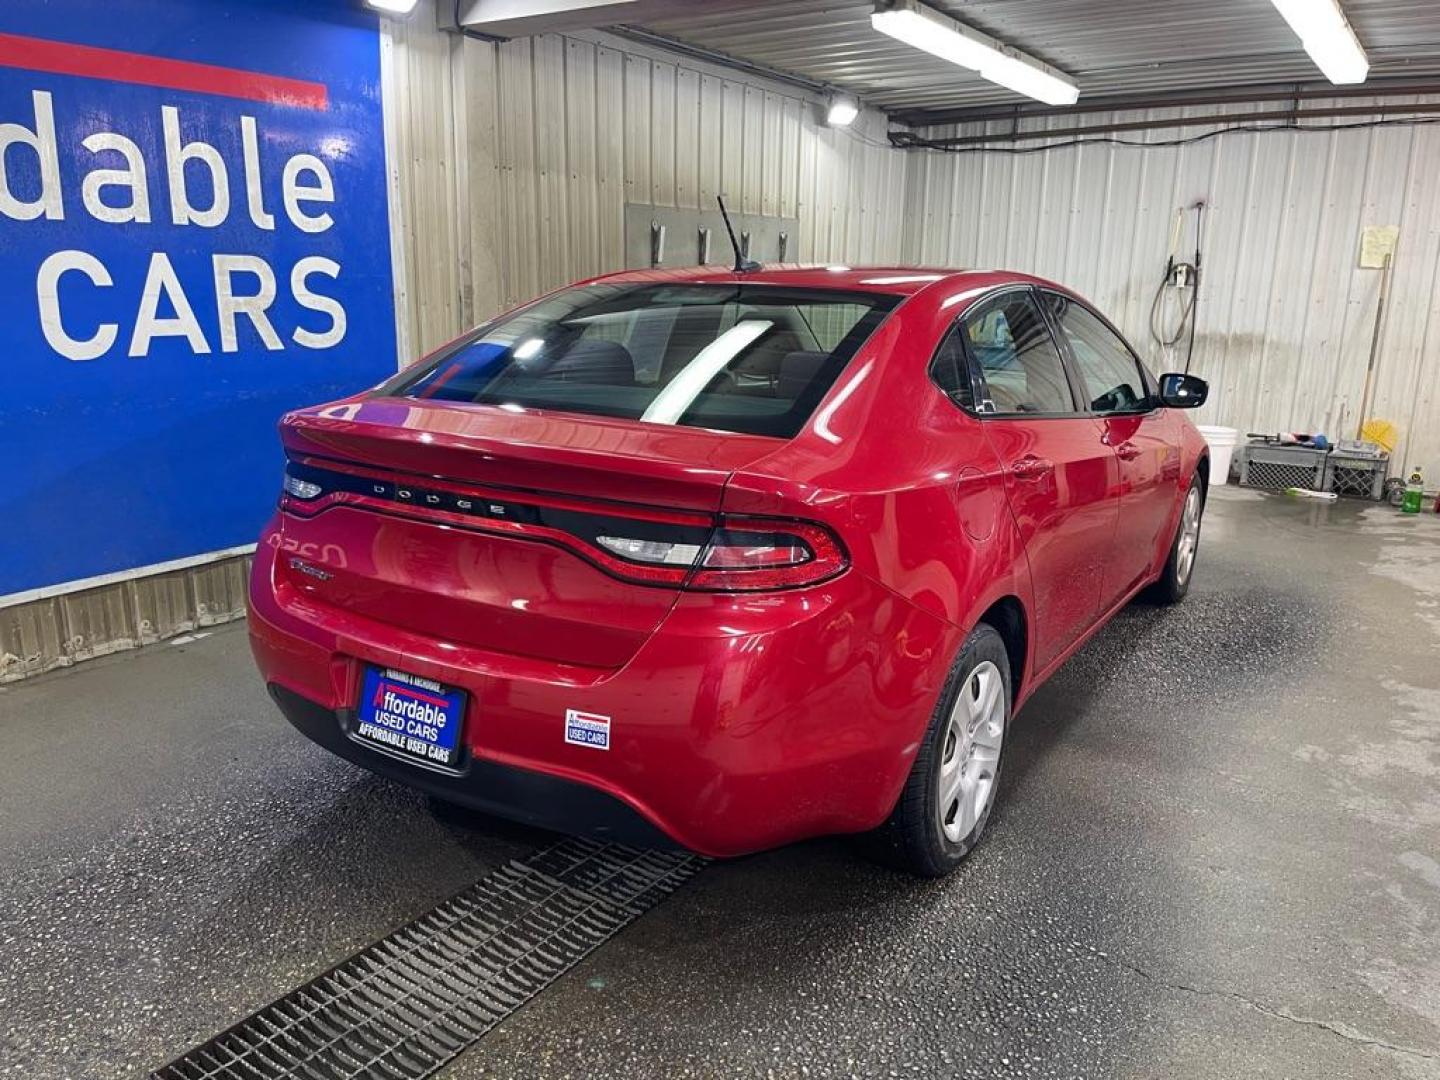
(744, 358)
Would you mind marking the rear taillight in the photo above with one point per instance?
(746, 554)
(741, 555)
(651, 552)
(678, 549)
(302, 489)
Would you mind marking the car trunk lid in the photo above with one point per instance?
(483, 526)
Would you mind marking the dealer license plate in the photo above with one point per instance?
(415, 717)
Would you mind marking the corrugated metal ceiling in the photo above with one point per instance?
(1111, 47)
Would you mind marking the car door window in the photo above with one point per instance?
(1017, 358)
(1108, 369)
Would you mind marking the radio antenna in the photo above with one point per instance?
(742, 264)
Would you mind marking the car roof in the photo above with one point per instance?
(894, 280)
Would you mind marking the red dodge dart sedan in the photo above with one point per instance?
(726, 559)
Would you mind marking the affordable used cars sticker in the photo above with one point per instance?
(587, 729)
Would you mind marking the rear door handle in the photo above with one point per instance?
(1127, 451)
(1032, 468)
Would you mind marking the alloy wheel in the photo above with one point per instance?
(1189, 536)
(970, 755)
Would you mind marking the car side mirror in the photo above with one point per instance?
(1181, 391)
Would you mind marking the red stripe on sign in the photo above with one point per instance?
(421, 694)
(87, 61)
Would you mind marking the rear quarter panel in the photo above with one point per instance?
(904, 476)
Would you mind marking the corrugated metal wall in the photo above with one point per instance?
(1286, 314)
(516, 162)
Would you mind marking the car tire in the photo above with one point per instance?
(966, 733)
(1174, 581)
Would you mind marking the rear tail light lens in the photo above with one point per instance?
(736, 551)
(750, 554)
(741, 555)
(301, 489)
(650, 551)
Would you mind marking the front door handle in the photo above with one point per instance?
(1032, 468)
(1127, 451)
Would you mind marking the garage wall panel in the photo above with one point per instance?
(1286, 313)
(529, 150)
(687, 138)
(417, 84)
(663, 137)
(478, 170)
(62, 630)
(582, 167)
(609, 157)
(32, 639)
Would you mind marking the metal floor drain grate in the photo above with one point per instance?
(403, 1007)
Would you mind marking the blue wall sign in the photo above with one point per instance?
(193, 239)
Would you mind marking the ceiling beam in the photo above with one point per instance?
(524, 18)
(1239, 95)
(1279, 117)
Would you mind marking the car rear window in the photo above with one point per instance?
(745, 358)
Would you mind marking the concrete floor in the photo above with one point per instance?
(1217, 855)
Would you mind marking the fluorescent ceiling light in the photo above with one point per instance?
(939, 35)
(843, 111)
(1323, 30)
(394, 7)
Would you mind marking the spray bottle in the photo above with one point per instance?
(1414, 492)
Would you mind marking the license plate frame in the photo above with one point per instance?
(410, 717)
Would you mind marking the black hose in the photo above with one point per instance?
(1186, 309)
(1189, 309)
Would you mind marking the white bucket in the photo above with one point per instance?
(1221, 441)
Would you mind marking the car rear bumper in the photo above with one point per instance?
(532, 798)
(741, 723)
